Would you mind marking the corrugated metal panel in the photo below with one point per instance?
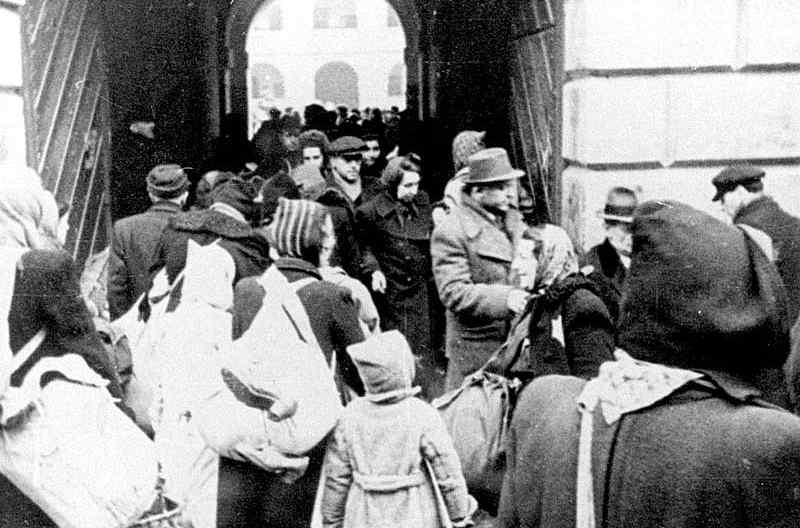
(67, 111)
(536, 73)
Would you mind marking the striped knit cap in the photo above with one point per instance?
(292, 226)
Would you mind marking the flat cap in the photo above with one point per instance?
(167, 181)
(347, 145)
(731, 177)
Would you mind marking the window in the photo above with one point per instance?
(275, 17)
(335, 14)
(337, 83)
(269, 17)
(395, 87)
(392, 19)
(267, 82)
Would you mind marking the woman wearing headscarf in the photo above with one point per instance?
(39, 291)
(465, 144)
(565, 328)
(674, 432)
(301, 233)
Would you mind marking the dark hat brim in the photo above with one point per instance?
(615, 218)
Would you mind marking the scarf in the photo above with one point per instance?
(622, 386)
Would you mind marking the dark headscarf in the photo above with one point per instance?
(701, 295)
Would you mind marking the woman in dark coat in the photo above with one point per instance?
(302, 234)
(565, 328)
(39, 291)
(394, 230)
(674, 432)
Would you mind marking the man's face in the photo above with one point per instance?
(731, 201)
(372, 153)
(408, 187)
(497, 197)
(347, 167)
(619, 235)
(312, 156)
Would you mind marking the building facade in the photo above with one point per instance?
(660, 95)
(333, 52)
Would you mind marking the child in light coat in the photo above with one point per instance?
(391, 461)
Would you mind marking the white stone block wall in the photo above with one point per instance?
(662, 94)
(584, 193)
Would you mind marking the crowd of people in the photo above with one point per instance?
(658, 381)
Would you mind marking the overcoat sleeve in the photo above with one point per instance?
(437, 448)
(451, 269)
(367, 235)
(119, 283)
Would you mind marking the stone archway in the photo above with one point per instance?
(237, 24)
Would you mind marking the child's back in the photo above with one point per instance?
(376, 473)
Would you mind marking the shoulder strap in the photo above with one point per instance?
(27, 350)
(298, 284)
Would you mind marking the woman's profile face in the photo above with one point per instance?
(524, 265)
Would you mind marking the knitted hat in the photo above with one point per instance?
(384, 362)
(465, 144)
(701, 294)
(239, 194)
(295, 228)
(309, 181)
(167, 181)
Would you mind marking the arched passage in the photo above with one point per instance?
(337, 83)
(237, 23)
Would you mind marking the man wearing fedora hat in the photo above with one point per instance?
(740, 191)
(135, 238)
(612, 257)
(472, 249)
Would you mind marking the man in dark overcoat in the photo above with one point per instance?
(472, 250)
(342, 195)
(741, 193)
(394, 230)
(134, 239)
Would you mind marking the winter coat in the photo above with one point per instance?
(347, 252)
(784, 229)
(471, 264)
(331, 312)
(249, 496)
(400, 248)
(133, 247)
(249, 248)
(375, 472)
(46, 295)
(608, 274)
(704, 457)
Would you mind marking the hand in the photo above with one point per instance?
(269, 459)
(378, 282)
(517, 299)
